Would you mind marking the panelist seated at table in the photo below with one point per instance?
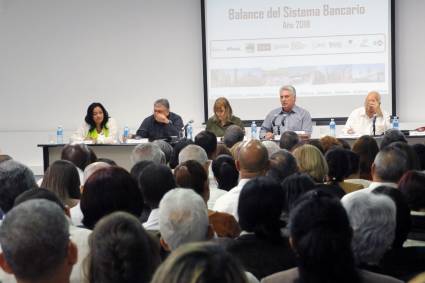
(363, 120)
(289, 117)
(223, 118)
(162, 123)
(98, 126)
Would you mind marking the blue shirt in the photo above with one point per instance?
(279, 121)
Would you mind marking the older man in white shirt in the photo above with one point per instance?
(362, 120)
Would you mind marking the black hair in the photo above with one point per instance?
(412, 158)
(354, 162)
(89, 116)
(288, 140)
(39, 193)
(338, 164)
(420, 153)
(282, 165)
(225, 172)
(412, 185)
(79, 154)
(191, 174)
(208, 141)
(174, 161)
(294, 186)
(392, 135)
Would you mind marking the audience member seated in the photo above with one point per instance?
(262, 251)
(79, 154)
(190, 174)
(148, 151)
(412, 158)
(339, 169)
(121, 251)
(166, 148)
(252, 162)
(313, 142)
(208, 141)
(282, 165)
(223, 118)
(222, 149)
(183, 218)
(344, 143)
(420, 153)
(135, 173)
(354, 172)
(271, 147)
(367, 149)
(321, 236)
(288, 140)
(62, 179)
(225, 172)
(78, 235)
(154, 182)
(311, 161)
(15, 178)
(107, 161)
(373, 219)
(392, 135)
(98, 126)
(234, 150)
(35, 242)
(233, 135)
(329, 142)
(200, 262)
(108, 190)
(177, 148)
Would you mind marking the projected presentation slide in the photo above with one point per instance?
(333, 52)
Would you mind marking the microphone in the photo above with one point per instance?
(374, 125)
(184, 129)
(283, 119)
(274, 123)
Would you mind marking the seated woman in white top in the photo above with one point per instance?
(361, 119)
(98, 126)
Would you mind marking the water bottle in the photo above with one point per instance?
(332, 128)
(59, 135)
(125, 134)
(189, 131)
(253, 130)
(395, 124)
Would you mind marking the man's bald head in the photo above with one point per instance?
(253, 159)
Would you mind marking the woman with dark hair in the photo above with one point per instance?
(121, 251)
(63, 180)
(108, 190)
(223, 117)
(98, 126)
(263, 250)
(191, 174)
(225, 172)
(367, 148)
(320, 235)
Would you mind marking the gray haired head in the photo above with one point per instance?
(15, 178)
(193, 152)
(373, 219)
(148, 151)
(34, 238)
(392, 135)
(389, 165)
(164, 102)
(93, 167)
(166, 148)
(183, 218)
(232, 135)
(271, 147)
(289, 88)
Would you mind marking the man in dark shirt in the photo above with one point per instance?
(162, 123)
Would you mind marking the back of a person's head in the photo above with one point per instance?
(412, 186)
(121, 251)
(354, 162)
(338, 164)
(294, 186)
(311, 161)
(329, 142)
(166, 148)
(93, 167)
(177, 148)
(313, 142)
(225, 172)
(260, 207)
(222, 150)
(62, 178)
(108, 190)
(200, 263)
(373, 218)
(232, 135)
(253, 158)
(411, 157)
(282, 165)
(367, 149)
(193, 152)
(34, 238)
(392, 135)
(154, 182)
(288, 140)
(183, 218)
(15, 178)
(190, 174)
(78, 153)
(148, 151)
(390, 164)
(271, 147)
(138, 168)
(39, 193)
(403, 220)
(321, 236)
(208, 141)
(420, 153)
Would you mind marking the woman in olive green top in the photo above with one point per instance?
(222, 118)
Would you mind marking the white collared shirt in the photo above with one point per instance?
(153, 220)
(229, 201)
(361, 124)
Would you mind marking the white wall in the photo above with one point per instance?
(57, 56)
